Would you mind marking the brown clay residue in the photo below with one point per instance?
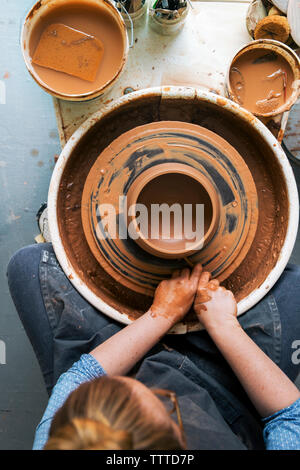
(34, 152)
(221, 101)
(53, 134)
(265, 170)
(261, 81)
(224, 244)
(280, 135)
(34, 10)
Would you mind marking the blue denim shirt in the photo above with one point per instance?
(216, 412)
(281, 431)
(86, 369)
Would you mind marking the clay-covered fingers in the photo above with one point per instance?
(202, 296)
(181, 274)
(176, 274)
(185, 273)
(204, 279)
(214, 305)
(195, 275)
(214, 284)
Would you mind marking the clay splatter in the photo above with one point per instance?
(34, 152)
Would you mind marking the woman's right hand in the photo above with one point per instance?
(215, 306)
(174, 297)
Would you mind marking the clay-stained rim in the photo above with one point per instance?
(65, 96)
(284, 51)
(175, 93)
(163, 169)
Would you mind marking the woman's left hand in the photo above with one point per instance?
(174, 297)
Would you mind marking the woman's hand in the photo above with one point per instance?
(269, 389)
(174, 297)
(172, 300)
(215, 306)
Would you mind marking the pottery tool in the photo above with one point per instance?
(293, 16)
(131, 6)
(67, 50)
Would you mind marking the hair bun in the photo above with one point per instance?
(89, 434)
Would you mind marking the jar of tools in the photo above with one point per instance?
(135, 9)
(167, 17)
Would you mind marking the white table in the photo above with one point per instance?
(198, 56)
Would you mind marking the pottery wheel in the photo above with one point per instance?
(175, 142)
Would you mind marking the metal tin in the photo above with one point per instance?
(166, 23)
(137, 16)
(40, 9)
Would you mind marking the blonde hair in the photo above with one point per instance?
(106, 414)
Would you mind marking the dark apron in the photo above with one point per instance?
(216, 412)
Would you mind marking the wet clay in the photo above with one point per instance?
(266, 172)
(96, 21)
(261, 81)
(70, 51)
(175, 189)
(137, 157)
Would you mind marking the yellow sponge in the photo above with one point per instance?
(273, 27)
(70, 51)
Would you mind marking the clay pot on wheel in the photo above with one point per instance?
(256, 151)
(174, 183)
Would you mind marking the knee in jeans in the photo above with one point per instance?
(17, 261)
(294, 270)
(22, 259)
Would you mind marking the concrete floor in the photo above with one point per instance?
(29, 142)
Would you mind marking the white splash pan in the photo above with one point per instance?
(174, 92)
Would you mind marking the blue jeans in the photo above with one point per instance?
(62, 325)
(28, 284)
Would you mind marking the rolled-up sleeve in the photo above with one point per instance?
(86, 369)
(282, 430)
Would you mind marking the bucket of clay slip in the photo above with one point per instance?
(272, 51)
(161, 24)
(98, 18)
